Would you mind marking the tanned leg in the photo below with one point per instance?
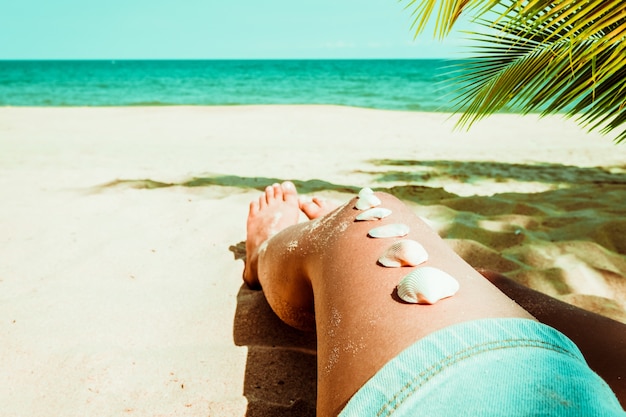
(324, 273)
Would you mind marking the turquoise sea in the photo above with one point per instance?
(421, 85)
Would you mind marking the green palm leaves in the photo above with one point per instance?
(563, 56)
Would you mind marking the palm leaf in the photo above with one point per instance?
(559, 56)
(448, 13)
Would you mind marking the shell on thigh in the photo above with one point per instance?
(375, 213)
(427, 285)
(390, 230)
(404, 252)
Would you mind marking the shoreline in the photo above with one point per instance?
(148, 105)
(122, 227)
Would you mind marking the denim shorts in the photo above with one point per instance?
(492, 367)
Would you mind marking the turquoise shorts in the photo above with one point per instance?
(493, 367)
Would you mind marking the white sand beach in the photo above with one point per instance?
(122, 229)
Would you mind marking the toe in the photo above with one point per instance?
(278, 192)
(320, 202)
(269, 194)
(310, 209)
(289, 191)
(302, 202)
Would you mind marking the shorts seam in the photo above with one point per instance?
(419, 380)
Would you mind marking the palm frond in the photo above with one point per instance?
(558, 56)
(448, 13)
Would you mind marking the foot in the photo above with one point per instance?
(276, 209)
(317, 207)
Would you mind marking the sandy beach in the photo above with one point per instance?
(122, 236)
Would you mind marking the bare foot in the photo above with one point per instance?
(276, 209)
(316, 207)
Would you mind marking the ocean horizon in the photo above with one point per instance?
(395, 84)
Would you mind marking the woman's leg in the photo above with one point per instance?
(324, 273)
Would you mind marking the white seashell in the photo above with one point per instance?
(367, 200)
(427, 285)
(365, 191)
(374, 214)
(390, 230)
(404, 252)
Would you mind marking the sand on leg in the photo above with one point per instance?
(276, 209)
(268, 261)
(324, 273)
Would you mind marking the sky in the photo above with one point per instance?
(215, 29)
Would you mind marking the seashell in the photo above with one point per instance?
(390, 230)
(367, 199)
(365, 191)
(404, 252)
(427, 285)
(374, 214)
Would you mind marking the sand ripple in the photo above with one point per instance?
(569, 243)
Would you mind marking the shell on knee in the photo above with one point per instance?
(367, 199)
